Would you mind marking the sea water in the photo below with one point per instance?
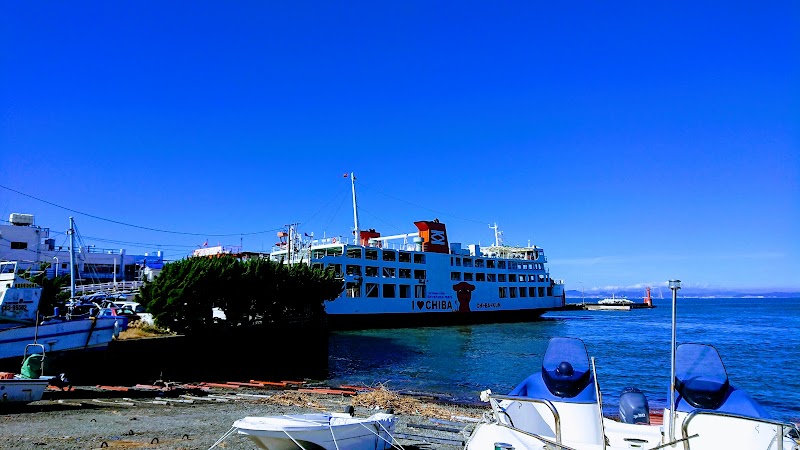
(757, 338)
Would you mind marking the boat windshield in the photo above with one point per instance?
(700, 376)
(8, 267)
(565, 367)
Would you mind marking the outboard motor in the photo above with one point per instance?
(633, 407)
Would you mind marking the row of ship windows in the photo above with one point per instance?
(371, 271)
(491, 263)
(392, 272)
(371, 254)
(375, 290)
(523, 291)
(501, 277)
(419, 258)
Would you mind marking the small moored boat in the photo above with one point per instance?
(613, 300)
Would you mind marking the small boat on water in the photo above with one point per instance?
(329, 431)
(613, 300)
(560, 407)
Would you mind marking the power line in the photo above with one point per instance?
(344, 197)
(144, 244)
(360, 208)
(132, 225)
(332, 200)
(423, 207)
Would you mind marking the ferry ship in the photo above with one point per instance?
(421, 278)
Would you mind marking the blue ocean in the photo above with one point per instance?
(758, 339)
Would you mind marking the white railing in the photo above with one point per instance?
(106, 287)
(780, 430)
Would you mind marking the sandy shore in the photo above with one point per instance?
(184, 423)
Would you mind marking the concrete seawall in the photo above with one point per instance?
(268, 354)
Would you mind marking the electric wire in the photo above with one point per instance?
(422, 207)
(378, 218)
(332, 200)
(132, 225)
(335, 212)
(144, 244)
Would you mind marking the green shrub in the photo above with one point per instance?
(251, 292)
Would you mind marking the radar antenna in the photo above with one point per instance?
(498, 241)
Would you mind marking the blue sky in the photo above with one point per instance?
(635, 142)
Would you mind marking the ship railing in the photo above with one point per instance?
(498, 411)
(83, 289)
(781, 428)
(334, 240)
(410, 247)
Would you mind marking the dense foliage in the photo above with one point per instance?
(249, 292)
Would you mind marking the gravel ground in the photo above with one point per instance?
(87, 423)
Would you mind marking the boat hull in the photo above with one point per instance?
(431, 319)
(20, 391)
(58, 336)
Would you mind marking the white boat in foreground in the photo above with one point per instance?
(25, 387)
(21, 390)
(560, 407)
(329, 431)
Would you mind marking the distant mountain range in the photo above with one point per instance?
(638, 294)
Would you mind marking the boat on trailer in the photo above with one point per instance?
(560, 407)
(328, 431)
(423, 278)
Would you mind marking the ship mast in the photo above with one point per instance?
(357, 238)
(497, 233)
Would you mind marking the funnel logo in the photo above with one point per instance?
(437, 237)
(464, 295)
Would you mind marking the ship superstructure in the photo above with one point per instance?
(421, 278)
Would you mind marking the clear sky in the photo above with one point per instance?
(635, 142)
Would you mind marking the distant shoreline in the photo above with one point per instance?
(741, 296)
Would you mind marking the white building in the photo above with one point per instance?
(31, 245)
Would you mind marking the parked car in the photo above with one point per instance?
(140, 310)
(122, 320)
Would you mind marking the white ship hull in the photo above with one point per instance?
(57, 337)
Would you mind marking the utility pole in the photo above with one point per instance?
(71, 233)
(674, 285)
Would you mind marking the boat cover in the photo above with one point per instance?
(306, 422)
(34, 366)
